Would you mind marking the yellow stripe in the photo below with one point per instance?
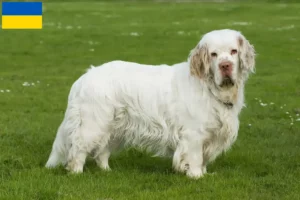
(22, 22)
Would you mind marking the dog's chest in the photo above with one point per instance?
(221, 133)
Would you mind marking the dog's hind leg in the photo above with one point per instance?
(78, 151)
(91, 137)
(102, 154)
(102, 157)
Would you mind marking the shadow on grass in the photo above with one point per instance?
(130, 160)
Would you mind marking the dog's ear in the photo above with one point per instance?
(199, 61)
(246, 54)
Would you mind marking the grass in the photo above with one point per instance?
(263, 163)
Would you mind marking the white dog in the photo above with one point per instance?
(188, 111)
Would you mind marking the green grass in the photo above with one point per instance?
(264, 163)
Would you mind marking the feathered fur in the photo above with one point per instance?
(179, 111)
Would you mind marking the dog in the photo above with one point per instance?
(188, 111)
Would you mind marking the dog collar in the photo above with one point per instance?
(227, 104)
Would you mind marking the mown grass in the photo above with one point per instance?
(263, 163)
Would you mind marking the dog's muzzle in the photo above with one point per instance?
(227, 82)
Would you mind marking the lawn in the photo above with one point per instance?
(37, 69)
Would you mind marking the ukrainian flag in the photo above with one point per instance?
(22, 15)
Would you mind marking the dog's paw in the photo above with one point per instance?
(195, 173)
(106, 168)
(204, 170)
(182, 168)
(74, 168)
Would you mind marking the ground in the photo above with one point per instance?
(38, 68)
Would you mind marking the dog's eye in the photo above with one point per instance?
(214, 54)
(233, 51)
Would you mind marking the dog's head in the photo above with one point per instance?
(225, 56)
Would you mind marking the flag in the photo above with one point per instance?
(22, 15)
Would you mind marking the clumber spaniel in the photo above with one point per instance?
(188, 111)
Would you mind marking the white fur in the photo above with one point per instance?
(163, 109)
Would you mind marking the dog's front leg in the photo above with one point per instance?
(188, 156)
(195, 157)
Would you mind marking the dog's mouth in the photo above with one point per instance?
(227, 82)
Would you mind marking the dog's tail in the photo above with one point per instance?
(68, 127)
(62, 143)
(59, 151)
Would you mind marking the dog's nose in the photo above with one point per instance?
(225, 66)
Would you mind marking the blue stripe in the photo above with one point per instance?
(22, 8)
